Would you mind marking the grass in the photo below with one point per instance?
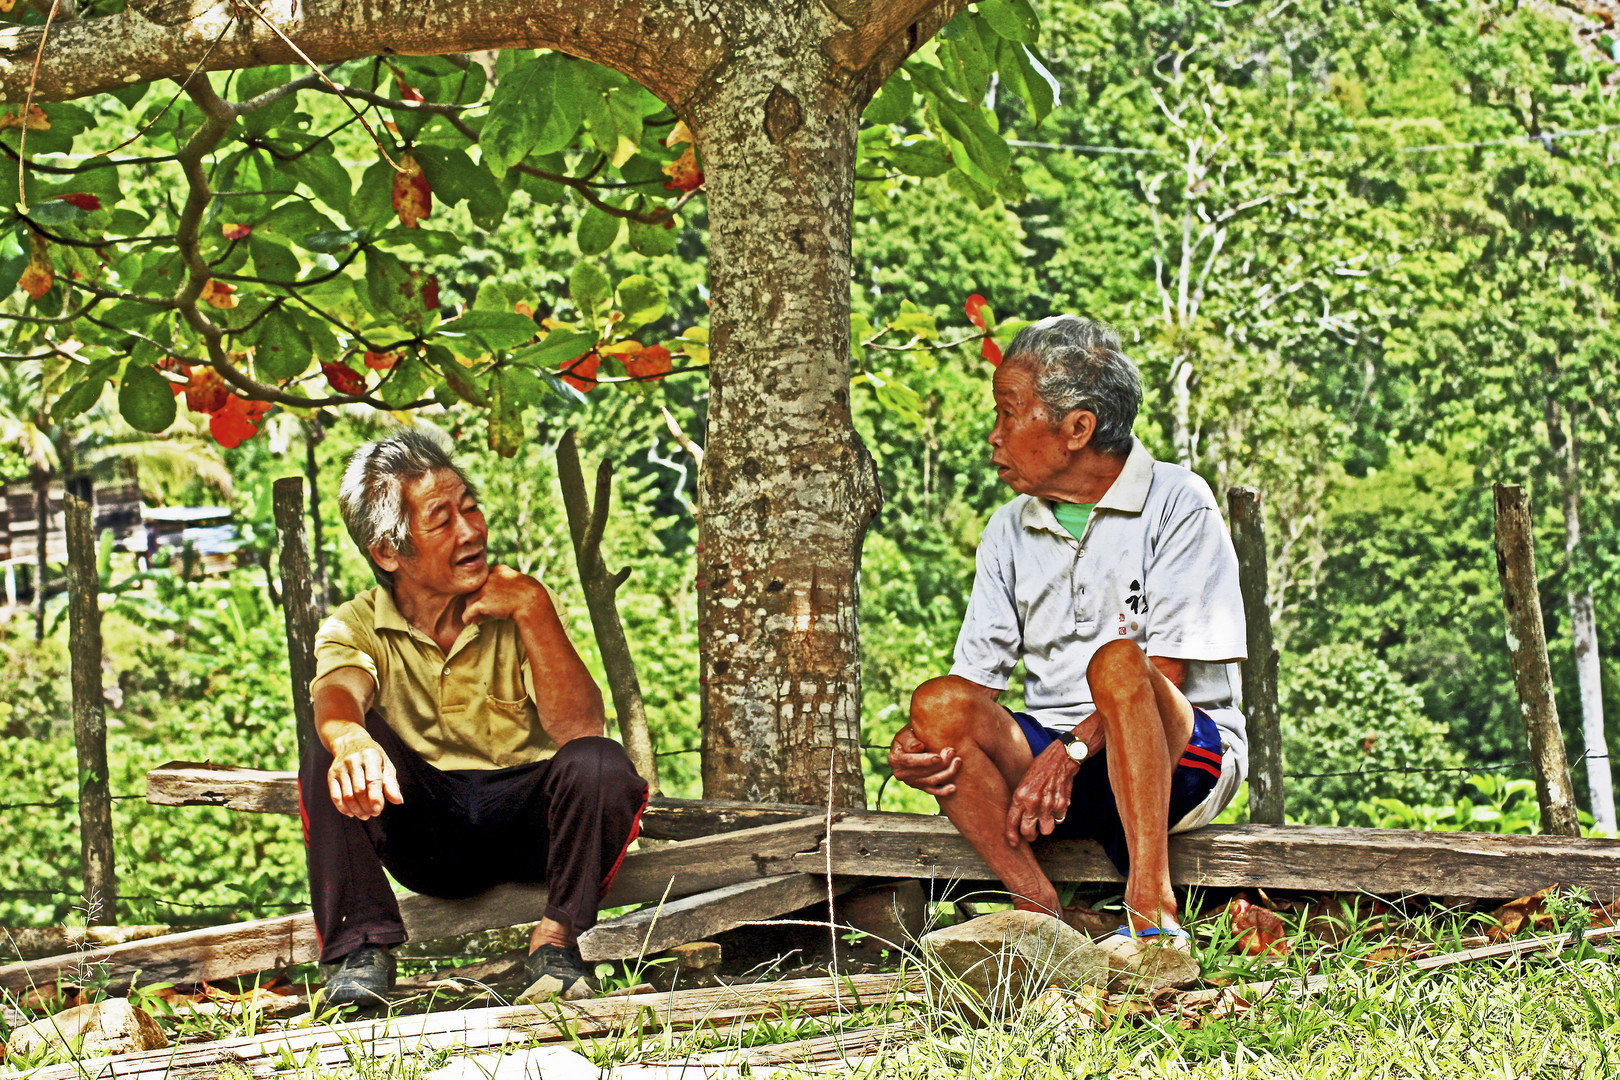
(1543, 1015)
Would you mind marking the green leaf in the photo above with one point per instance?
(512, 391)
(54, 212)
(393, 288)
(1014, 20)
(373, 199)
(614, 122)
(325, 243)
(407, 382)
(145, 400)
(915, 322)
(79, 397)
(558, 347)
(597, 231)
(476, 334)
(323, 175)
(272, 261)
(652, 240)
(426, 241)
(284, 350)
(893, 102)
(967, 65)
(590, 290)
(1018, 74)
(963, 184)
(464, 385)
(13, 257)
(922, 157)
(517, 109)
(642, 300)
(560, 123)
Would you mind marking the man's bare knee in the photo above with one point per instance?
(1118, 672)
(943, 710)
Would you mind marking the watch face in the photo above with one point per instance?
(1076, 750)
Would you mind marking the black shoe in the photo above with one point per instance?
(364, 977)
(556, 971)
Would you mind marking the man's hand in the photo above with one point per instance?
(505, 594)
(1042, 799)
(913, 763)
(361, 776)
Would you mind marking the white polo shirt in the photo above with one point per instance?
(1155, 566)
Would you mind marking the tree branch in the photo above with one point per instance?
(666, 45)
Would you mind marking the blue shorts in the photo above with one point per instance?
(1092, 811)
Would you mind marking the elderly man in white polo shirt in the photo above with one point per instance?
(1112, 577)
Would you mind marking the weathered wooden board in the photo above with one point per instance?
(265, 791)
(1385, 862)
(658, 927)
(318, 1049)
(266, 944)
(1390, 862)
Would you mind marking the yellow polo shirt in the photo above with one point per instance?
(472, 709)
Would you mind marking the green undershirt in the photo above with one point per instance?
(1073, 516)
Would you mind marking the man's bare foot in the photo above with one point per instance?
(550, 932)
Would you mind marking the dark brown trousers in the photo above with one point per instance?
(565, 823)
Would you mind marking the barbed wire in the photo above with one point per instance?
(1545, 138)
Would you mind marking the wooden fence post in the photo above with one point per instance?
(297, 600)
(89, 712)
(1260, 709)
(585, 523)
(1527, 647)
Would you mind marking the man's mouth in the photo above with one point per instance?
(471, 562)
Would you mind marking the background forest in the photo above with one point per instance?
(1365, 253)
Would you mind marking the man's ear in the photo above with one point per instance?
(1078, 428)
(384, 555)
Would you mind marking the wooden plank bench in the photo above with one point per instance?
(1384, 862)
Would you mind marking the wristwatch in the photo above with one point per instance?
(1074, 746)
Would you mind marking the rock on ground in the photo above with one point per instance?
(1143, 965)
(535, 1063)
(1008, 957)
(113, 1026)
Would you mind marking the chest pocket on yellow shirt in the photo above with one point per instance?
(510, 725)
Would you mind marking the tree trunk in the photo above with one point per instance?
(321, 596)
(1527, 650)
(787, 487)
(89, 712)
(1583, 628)
(42, 528)
(1181, 435)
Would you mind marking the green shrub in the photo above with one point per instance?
(1354, 732)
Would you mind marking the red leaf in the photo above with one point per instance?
(205, 391)
(1259, 930)
(580, 372)
(83, 200)
(430, 292)
(234, 231)
(991, 351)
(217, 294)
(237, 421)
(975, 307)
(413, 198)
(37, 278)
(381, 361)
(649, 363)
(683, 172)
(344, 379)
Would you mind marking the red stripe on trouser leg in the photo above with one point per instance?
(1193, 763)
(635, 831)
(1199, 751)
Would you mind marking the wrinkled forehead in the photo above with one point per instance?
(424, 494)
(1014, 385)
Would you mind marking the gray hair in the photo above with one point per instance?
(1080, 364)
(372, 496)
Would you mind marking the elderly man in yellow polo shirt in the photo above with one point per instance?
(460, 737)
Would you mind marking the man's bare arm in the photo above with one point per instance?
(570, 704)
(361, 776)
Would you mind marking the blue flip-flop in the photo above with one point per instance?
(1152, 931)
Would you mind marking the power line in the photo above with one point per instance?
(1545, 138)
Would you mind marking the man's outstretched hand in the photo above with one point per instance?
(361, 777)
(1042, 798)
(913, 763)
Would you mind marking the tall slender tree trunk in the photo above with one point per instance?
(1583, 626)
(787, 487)
(42, 527)
(313, 434)
(1181, 435)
